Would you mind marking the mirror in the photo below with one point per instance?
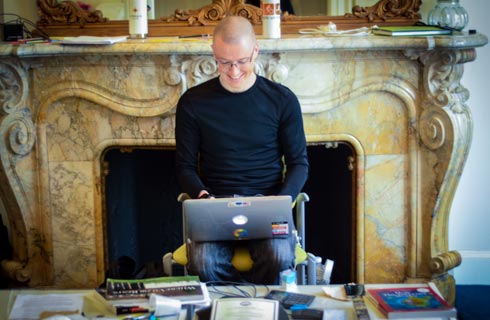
(68, 18)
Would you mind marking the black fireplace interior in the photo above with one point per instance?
(143, 218)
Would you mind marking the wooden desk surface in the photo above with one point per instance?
(7, 297)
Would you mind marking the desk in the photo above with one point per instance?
(320, 302)
(7, 298)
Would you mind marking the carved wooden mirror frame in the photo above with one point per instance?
(68, 19)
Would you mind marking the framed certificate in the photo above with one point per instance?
(245, 308)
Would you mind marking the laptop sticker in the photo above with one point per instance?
(240, 233)
(280, 228)
(239, 203)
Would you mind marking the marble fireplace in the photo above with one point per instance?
(397, 102)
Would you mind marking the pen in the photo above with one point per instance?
(130, 309)
(141, 317)
(205, 35)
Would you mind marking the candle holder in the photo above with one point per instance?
(448, 13)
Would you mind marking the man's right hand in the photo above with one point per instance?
(205, 195)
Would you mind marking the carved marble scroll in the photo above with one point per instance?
(446, 130)
(445, 262)
(17, 134)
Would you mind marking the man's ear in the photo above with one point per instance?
(256, 50)
(212, 49)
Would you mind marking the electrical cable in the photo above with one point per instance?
(238, 288)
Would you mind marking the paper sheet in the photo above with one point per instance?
(33, 306)
(90, 40)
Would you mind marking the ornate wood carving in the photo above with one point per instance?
(217, 11)
(68, 19)
(388, 9)
(52, 12)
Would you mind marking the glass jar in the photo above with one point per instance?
(448, 13)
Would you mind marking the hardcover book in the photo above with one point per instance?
(187, 289)
(410, 302)
(411, 31)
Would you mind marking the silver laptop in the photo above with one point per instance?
(243, 218)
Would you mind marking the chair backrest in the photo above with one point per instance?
(240, 218)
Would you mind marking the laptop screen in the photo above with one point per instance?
(241, 218)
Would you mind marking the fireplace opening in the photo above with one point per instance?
(143, 219)
(330, 226)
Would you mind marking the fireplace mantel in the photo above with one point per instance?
(397, 101)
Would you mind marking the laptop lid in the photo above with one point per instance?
(241, 218)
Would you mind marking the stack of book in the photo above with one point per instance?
(410, 302)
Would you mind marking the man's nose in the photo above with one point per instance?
(234, 68)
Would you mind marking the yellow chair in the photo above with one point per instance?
(242, 260)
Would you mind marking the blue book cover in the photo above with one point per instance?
(403, 302)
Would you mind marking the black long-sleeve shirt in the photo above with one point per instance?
(233, 143)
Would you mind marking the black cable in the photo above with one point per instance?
(239, 292)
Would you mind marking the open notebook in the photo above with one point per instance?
(243, 218)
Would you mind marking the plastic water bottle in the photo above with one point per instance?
(288, 280)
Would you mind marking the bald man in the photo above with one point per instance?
(232, 134)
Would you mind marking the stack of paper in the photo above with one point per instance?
(92, 40)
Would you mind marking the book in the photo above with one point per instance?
(410, 302)
(411, 31)
(187, 289)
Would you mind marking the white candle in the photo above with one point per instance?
(138, 19)
(271, 18)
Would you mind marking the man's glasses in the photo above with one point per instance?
(228, 64)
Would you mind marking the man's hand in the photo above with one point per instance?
(205, 195)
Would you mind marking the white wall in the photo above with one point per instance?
(469, 224)
(23, 8)
(469, 220)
